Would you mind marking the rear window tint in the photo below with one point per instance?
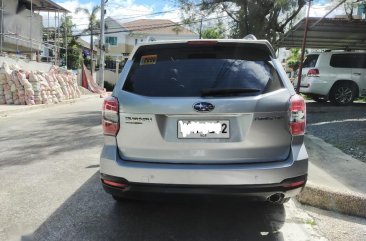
(185, 71)
(348, 60)
(310, 61)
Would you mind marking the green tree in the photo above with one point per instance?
(266, 19)
(213, 33)
(293, 61)
(177, 29)
(74, 57)
(92, 25)
(66, 27)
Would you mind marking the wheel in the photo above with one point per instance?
(319, 99)
(342, 94)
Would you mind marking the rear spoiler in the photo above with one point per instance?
(263, 45)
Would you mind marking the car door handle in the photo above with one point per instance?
(357, 73)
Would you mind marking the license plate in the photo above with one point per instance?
(203, 129)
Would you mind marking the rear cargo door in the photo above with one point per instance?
(214, 103)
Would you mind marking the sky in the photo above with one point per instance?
(122, 10)
(129, 10)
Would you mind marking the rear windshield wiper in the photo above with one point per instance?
(227, 91)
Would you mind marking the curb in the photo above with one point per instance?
(350, 203)
(25, 108)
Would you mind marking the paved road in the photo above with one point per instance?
(342, 126)
(50, 190)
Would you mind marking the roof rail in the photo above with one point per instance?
(250, 37)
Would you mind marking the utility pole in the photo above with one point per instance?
(2, 27)
(303, 48)
(66, 32)
(31, 30)
(102, 42)
(201, 28)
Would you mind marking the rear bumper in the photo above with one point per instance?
(198, 174)
(315, 86)
(256, 179)
(252, 192)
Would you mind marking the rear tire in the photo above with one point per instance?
(342, 94)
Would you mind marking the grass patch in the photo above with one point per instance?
(361, 99)
(361, 142)
(306, 97)
(310, 222)
(340, 146)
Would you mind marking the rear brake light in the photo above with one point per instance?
(114, 184)
(202, 43)
(294, 184)
(313, 73)
(110, 119)
(297, 115)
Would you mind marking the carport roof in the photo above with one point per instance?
(329, 33)
(46, 5)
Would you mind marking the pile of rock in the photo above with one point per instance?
(20, 87)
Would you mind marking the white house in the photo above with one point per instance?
(123, 37)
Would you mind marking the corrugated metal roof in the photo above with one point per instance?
(46, 5)
(329, 33)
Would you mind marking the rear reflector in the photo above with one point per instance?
(297, 115)
(313, 73)
(202, 43)
(110, 118)
(114, 184)
(294, 184)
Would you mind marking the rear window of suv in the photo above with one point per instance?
(310, 61)
(181, 70)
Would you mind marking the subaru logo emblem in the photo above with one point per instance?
(203, 107)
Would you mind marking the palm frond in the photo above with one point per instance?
(84, 10)
(95, 10)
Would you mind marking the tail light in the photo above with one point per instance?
(110, 119)
(313, 73)
(297, 115)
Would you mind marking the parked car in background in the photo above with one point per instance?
(208, 117)
(334, 75)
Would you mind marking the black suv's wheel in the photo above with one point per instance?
(342, 94)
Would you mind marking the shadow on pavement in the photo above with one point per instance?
(53, 136)
(329, 107)
(90, 214)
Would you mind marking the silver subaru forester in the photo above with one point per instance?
(204, 117)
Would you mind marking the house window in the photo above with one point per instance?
(111, 40)
(135, 41)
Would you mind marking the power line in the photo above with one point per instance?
(132, 16)
(129, 16)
